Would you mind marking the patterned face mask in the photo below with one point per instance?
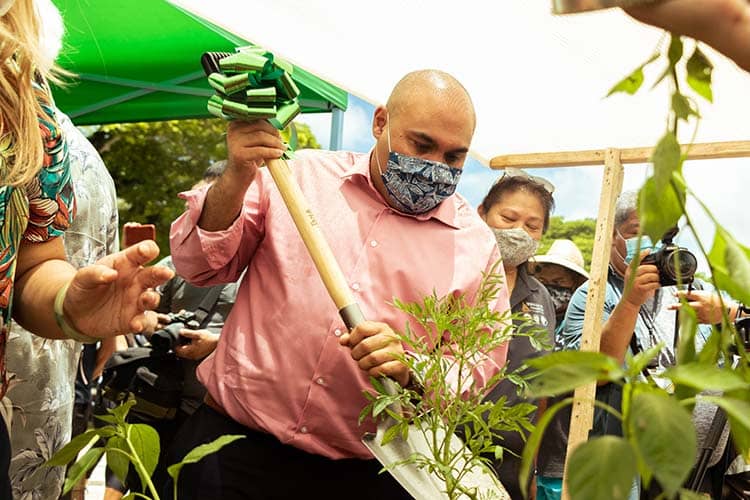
(416, 185)
(560, 297)
(516, 246)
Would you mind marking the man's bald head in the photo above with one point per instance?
(439, 87)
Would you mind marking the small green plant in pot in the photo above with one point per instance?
(445, 400)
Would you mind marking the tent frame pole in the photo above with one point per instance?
(337, 129)
(582, 412)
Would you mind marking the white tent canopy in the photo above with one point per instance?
(537, 80)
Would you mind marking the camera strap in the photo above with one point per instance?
(208, 304)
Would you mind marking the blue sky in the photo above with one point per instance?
(721, 184)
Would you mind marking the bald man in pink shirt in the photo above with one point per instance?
(286, 373)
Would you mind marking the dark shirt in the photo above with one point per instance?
(178, 295)
(532, 299)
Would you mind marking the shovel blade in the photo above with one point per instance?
(421, 483)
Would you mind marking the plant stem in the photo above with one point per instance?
(688, 220)
(140, 467)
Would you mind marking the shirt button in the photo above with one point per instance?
(337, 332)
(373, 243)
(355, 286)
(303, 429)
(320, 381)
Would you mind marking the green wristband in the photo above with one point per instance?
(66, 327)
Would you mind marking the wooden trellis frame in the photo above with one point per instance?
(582, 413)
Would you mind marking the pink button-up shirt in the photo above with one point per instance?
(279, 367)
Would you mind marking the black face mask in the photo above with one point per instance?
(560, 297)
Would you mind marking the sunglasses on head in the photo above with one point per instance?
(517, 172)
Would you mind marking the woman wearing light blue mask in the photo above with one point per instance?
(517, 209)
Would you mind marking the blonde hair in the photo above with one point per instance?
(20, 55)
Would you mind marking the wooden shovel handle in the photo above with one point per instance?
(316, 244)
(321, 253)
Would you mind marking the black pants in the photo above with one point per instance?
(260, 467)
(5, 489)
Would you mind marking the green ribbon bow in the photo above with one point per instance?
(254, 85)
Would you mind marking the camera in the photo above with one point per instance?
(675, 264)
(169, 337)
(743, 329)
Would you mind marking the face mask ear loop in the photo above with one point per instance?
(389, 134)
(618, 251)
(377, 160)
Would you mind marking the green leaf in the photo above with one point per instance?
(561, 372)
(121, 412)
(595, 360)
(380, 406)
(731, 265)
(711, 349)
(699, 70)
(659, 209)
(79, 469)
(663, 434)
(667, 158)
(738, 412)
(674, 54)
(197, 453)
(602, 467)
(118, 462)
(641, 360)
(675, 50)
(106, 432)
(533, 441)
(391, 433)
(631, 83)
(107, 418)
(145, 442)
(735, 408)
(702, 376)
(682, 107)
(70, 451)
(686, 339)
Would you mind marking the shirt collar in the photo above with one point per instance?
(446, 212)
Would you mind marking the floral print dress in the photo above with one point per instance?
(41, 371)
(41, 210)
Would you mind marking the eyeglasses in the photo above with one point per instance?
(517, 172)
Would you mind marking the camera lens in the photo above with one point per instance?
(167, 338)
(686, 263)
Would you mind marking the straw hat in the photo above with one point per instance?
(564, 253)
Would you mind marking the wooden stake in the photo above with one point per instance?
(582, 413)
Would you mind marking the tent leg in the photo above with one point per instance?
(582, 412)
(337, 129)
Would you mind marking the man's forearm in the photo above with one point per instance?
(618, 330)
(223, 203)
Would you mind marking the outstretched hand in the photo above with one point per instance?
(114, 295)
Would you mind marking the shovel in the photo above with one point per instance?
(420, 483)
(243, 97)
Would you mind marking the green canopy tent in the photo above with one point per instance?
(140, 61)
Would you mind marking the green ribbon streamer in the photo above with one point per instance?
(254, 85)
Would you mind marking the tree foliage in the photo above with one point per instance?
(580, 231)
(152, 162)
